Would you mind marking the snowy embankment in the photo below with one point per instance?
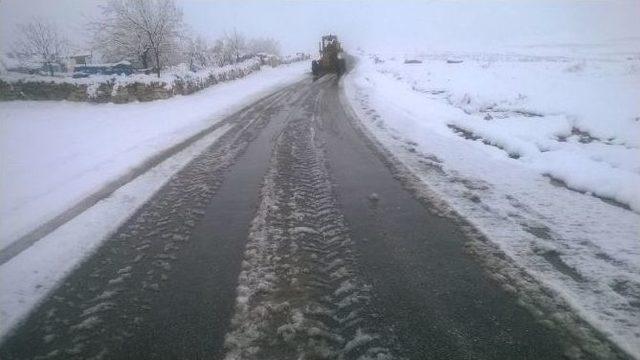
(540, 153)
(54, 154)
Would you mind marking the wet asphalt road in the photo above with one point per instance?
(164, 286)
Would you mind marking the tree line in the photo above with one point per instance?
(150, 33)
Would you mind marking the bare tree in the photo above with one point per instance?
(197, 52)
(264, 45)
(229, 48)
(147, 29)
(115, 42)
(42, 39)
(223, 52)
(237, 44)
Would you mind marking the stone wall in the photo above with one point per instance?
(114, 91)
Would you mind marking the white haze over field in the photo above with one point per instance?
(374, 25)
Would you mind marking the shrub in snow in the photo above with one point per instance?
(92, 90)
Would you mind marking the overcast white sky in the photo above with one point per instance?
(409, 25)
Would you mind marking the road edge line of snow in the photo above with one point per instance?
(542, 301)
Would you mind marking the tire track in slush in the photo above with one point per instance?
(299, 293)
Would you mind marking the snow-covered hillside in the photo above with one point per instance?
(539, 147)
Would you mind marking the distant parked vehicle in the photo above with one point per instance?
(146, 71)
(33, 65)
(119, 68)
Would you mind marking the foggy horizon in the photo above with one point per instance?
(401, 26)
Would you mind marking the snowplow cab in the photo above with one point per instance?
(331, 59)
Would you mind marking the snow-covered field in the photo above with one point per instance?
(539, 147)
(53, 154)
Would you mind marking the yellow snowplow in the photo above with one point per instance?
(331, 57)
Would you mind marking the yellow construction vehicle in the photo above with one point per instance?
(331, 57)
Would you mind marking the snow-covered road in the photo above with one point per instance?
(287, 237)
(540, 153)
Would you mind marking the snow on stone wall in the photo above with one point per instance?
(177, 80)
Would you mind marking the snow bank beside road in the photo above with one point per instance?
(573, 119)
(53, 154)
(488, 132)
